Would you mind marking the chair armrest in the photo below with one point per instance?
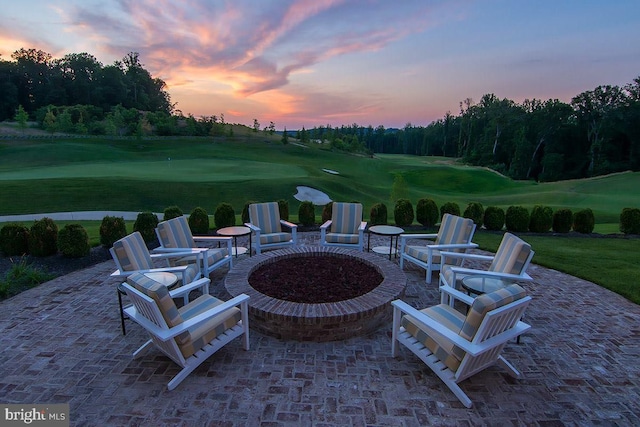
(167, 334)
(492, 274)
(212, 239)
(288, 224)
(176, 252)
(252, 227)
(178, 292)
(465, 256)
(405, 236)
(177, 269)
(326, 224)
(363, 226)
(456, 294)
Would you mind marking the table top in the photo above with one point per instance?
(164, 277)
(482, 284)
(386, 230)
(238, 230)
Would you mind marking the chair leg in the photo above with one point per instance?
(124, 330)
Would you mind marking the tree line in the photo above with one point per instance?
(597, 133)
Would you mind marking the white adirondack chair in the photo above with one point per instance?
(190, 334)
(266, 225)
(345, 228)
(455, 346)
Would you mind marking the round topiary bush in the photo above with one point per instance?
(403, 213)
(73, 241)
(584, 221)
(427, 212)
(172, 212)
(146, 223)
(283, 208)
(541, 219)
(378, 214)
(224, 216)
(199, 221)
(494, 218)
(562, 221)
(14, 239)
(450, 208)
(327, 211)
(475, 212)
(245, 212)
(517, 219)
(43, 238)
(630, 221)
(306, 213)
(112, 229)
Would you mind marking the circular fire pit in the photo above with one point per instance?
(328, 321)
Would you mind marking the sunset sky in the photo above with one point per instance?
(316, 62)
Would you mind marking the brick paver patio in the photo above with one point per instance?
(61, 342)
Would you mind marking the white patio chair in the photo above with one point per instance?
(190, 334)
(455, 346)
(345, 228)
(266, 225)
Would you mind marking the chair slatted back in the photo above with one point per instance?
(513, 255)
(454, 229)
(266, 216)
(131, 253)
(175, 233)
(346, 217)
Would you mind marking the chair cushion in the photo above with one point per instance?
(274, 238)
(440, 346)
(191, 273)
(160, 294)
(266, 216)
(511, 255)
(132, 253)
(422, 253)
(204, 333)
(454, 229)
(342, 238)
(175, 233)
(485, 303)
(346, 218)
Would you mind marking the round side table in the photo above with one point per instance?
(385, 230)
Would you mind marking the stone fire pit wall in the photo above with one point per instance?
(318, 322)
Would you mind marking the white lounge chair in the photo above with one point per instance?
(345, 228)
(266, 225)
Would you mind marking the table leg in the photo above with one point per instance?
(390, 248)
(369, 243)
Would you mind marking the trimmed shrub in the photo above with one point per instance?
(112, 229)
(630, 221)
(14, 239)
(584, 221)
(199, 221)
(474, 211)
(378, 214)
(224, 216)
(146, 223)
(403, 212)
(306, 213)
(517, 219)
(562, 221)
(541, 219)
(494, 218)
(327, 211)
(172, 212)
(427, 212)
(73, 241)
(43, 238)
(450, 208)
(283, 208)
(245, 211)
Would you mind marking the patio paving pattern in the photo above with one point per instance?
(61, 343)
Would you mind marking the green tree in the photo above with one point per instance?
(21, 117)
(256, 125)
(285, 137)
(400, 188)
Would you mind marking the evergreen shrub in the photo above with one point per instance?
(474, 211)
(327, 211)
(172, 212)
(306, 213)
(584, 221)
(516, 219)
(378, 214)
(283, 208)
(43, 238)
(73, 241)
(494, 218)
(112, 229)
(450, 208)
(562, 221)
(630, 221)
(146, 223)
(427, 212)
(14, 239)
(224, 216)
(199, 221)
(403, 212)
(541, 219)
